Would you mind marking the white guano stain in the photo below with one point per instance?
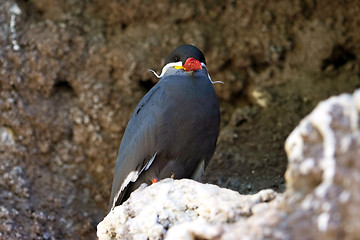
(323, 221)
(14, 11)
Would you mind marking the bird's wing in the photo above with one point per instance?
(137, 148)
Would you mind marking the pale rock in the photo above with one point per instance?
(6, 136)
(151, 211)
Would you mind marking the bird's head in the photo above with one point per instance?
(185, 57)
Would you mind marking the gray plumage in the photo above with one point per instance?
(176, 125)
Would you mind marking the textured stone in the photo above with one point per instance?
(152, 210)
(324, 169)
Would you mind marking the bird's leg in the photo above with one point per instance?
(154, 180)
(172, 176)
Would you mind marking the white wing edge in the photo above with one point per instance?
(199, 171)
(132, 177)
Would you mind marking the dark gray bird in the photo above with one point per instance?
(173, 130)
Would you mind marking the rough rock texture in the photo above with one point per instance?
(324, 166)
(322, 199)
(151, 211)
(72, 71)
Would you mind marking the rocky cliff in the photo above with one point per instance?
(71, 73)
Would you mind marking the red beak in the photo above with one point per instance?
(191, 64)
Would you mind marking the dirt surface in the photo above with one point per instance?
(71, 73)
